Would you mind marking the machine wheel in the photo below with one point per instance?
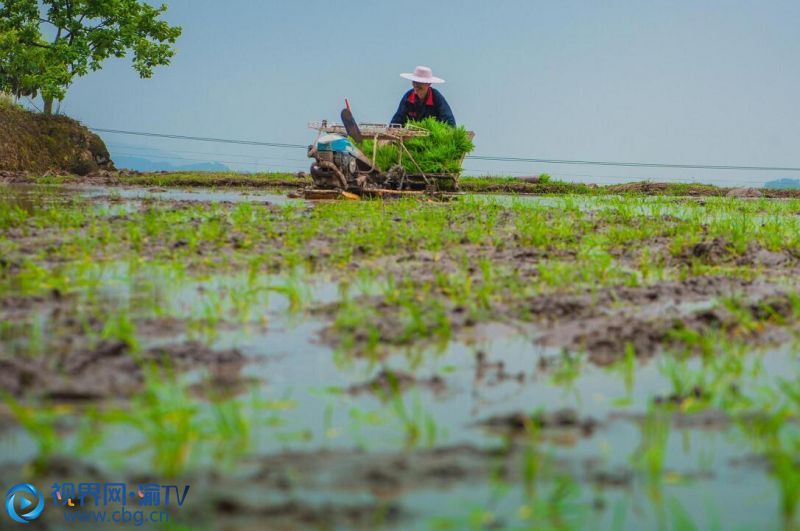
(396, 177)
(321, 177)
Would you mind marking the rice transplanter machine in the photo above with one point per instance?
(339, 166)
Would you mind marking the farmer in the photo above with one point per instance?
(423, 100)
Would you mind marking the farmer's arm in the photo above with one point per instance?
(401, 115)
(445, 113)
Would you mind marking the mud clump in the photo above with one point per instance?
(762, 257)
(389, 324)
(652, 318)
(388, 383)
(709, 419)
(655, 188)
(676, 399)
(607, 341)
(716, 251)
(601, 322)
(110, 368)
(522, 423)
(744, 193)
(497, 369)
(719, 252)
(559, 306)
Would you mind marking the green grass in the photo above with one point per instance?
(486, 184)
(584, 244)
(215, 179)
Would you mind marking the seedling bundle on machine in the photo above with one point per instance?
(353, 160)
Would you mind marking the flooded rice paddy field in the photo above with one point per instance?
(486, 362)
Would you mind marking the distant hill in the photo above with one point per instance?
(143, 164)
(783, 183)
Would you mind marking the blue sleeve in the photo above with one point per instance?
(445, 113)
(400, 116)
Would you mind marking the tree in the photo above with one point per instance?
(46, 44)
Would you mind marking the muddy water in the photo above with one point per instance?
(429, 454)
(27, 196)
(333, 410)
(203, 195)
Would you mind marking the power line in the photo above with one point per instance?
(148, 153)
(618, 177)
(186, 158)
(480, 157)
(634, 164)
(613, 178)
(265, 165)
(34, 105)
(201, 139)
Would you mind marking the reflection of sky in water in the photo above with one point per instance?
(203, 195)
(121, 199)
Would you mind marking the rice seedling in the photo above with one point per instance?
(420, 427)
(231, 430)
(12, 216)
(41, 424)
(439, 152)
(626, 368)
(780, 446)
(167, 419)
(297, 290)
(176, 430)
(119, 327)
(567, 370)
(358, 420)
(36, 336)
(650, 455)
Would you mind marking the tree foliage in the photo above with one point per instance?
(46, 44)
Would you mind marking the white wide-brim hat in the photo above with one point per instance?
(422, 74)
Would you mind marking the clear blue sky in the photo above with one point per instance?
(711, 81)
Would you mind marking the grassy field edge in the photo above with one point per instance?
(494, 184)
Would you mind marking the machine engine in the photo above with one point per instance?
(336, 164)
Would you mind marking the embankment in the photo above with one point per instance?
(39, 144)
